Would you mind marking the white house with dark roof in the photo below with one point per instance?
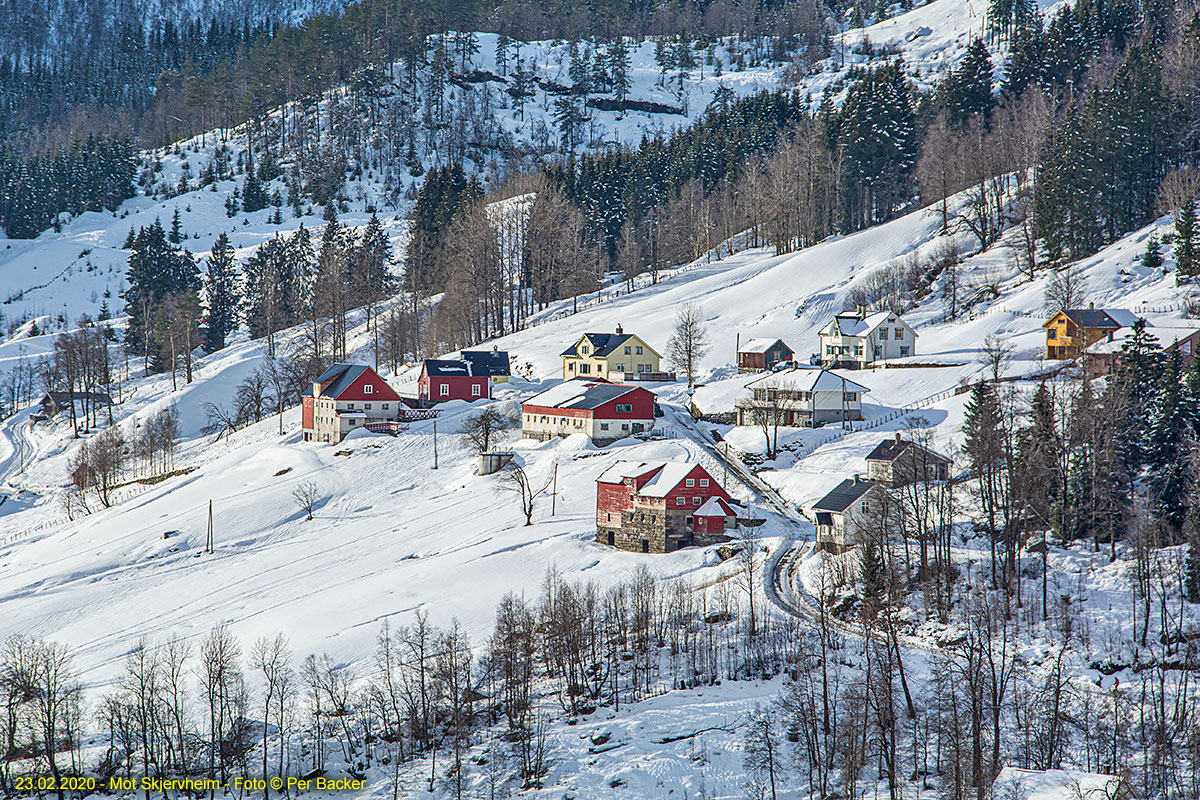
(802, 397)
(602, 411)
(344, 398)
(842, 513)
(898, 462)
(854, 339)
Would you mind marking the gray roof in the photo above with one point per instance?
(487, 362)
(581, 393)
(1091, 318)
(890, 450)
(64, 398)
(341, 375)
(844, 495)
(603, 344)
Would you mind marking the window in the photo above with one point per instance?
(368, 389)
(704, 481)
(690, 521)
(624, 426)
(620, 367)
(600, 368)
(585, 350)
(850, 397)
(445, 390)
(571, 366)
(367, 406)
(385, 406)
(696, 500)
(624, 408)
(639, 351)
(899, 334)
(475, 390)
(903, 351)
(691, 482)
(627, 351)
(603, 426)
(585, 369)
(349, 405)
(1052, 333)
(883, 334)
(680, 501)
(353, 422)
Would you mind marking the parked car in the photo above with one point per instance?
(782, 365)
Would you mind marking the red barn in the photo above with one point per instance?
(346, 397)
(449, 379)
(659, 507)
(602, 411)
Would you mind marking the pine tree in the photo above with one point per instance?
(254, 196)
(1152, 257)
(967, 90)
(176, 234)
(1169, 451)
(222, 294)
(1186, 266)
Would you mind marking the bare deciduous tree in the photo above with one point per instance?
(689, 341)
(481, 430)
(515, 479)
(307, 495)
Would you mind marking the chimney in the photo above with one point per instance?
(1091, 305)
(897, 437)
(619, 330)
(316, 390)
(857, 478)
(495, 348)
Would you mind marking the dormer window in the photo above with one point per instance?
(368, 389)
(585, 350)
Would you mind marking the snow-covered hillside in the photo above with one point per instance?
(404, 524)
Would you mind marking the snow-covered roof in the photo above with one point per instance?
(807, 379)
(850, 323)
(714, 507)
(1166, 334)
(667, 475)
(670, 476)
(758, 345)
(581, 393)
(350, 413)
(622, 470)
(1123, 316)
(447, 367)
(1054, 784)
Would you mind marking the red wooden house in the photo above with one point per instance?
(602, 411)
(658, 507)
(445, 379)
(344, 398)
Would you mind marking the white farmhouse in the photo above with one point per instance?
(854, 339)
(802, 397)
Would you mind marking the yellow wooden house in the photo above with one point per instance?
(1072, 330)
(610, 356)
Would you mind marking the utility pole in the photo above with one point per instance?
(554, 491)
(725, 477)
(435, 460)
(208, 542)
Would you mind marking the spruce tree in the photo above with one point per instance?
(222, 294)
(254, 196)
(1169, 451)
(1152, 257)
(1186, 266)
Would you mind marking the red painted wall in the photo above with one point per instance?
(689, 493)
(381, 389)
(460, 388)
(306, 412)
